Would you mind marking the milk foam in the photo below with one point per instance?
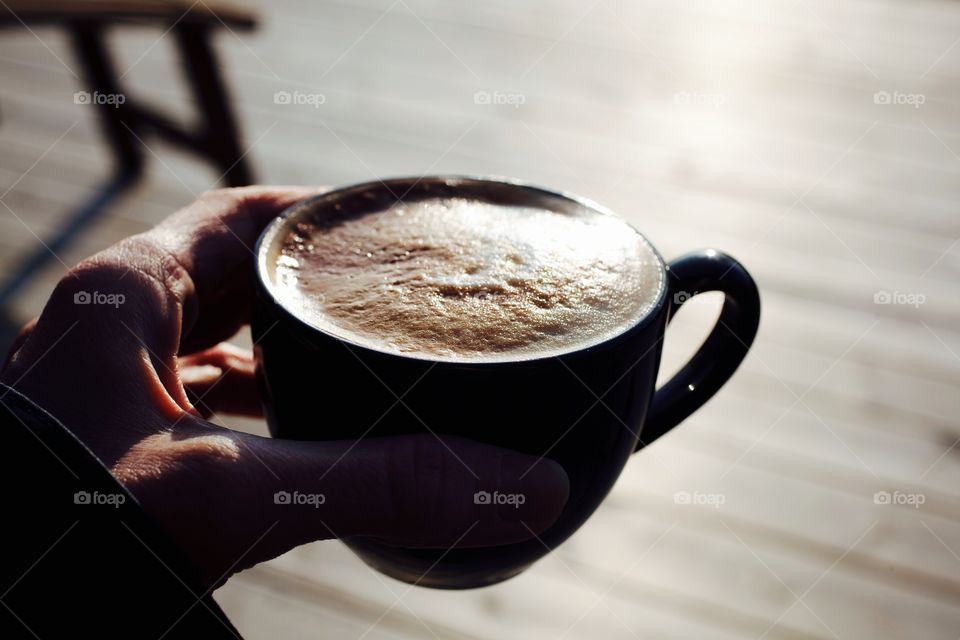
(462, 279)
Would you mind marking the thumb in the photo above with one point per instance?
(260, 497)
(414, 491)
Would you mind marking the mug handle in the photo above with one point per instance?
(723, 350)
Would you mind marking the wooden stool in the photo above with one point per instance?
(215, 137)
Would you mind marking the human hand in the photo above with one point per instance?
(120, 376)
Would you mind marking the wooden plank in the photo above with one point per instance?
(563, 608)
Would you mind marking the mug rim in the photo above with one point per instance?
(273, 229)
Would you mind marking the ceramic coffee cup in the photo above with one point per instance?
(588, 409)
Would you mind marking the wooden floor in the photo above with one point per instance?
(789, 133)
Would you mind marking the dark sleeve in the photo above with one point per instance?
(79, 557)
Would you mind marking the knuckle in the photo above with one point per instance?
(133, 283)
(224, 212)
(136, 264)
(229, 199)
(92, 274)
(159, 264)
(103, 265)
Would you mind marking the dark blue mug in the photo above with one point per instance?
(588, 409)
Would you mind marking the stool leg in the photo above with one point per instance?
(219, 130)
(100, 76)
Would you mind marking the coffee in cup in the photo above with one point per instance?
(462, 279)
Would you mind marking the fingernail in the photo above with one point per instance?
(532, 490)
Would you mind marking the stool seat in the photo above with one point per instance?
(39, 12)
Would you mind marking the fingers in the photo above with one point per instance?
(186, 281)
(221, 380)
(258, 497)
(417, 490)
(212, 240)
(123, 315)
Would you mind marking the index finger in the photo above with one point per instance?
(121, 317)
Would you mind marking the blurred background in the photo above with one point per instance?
(817, 496)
